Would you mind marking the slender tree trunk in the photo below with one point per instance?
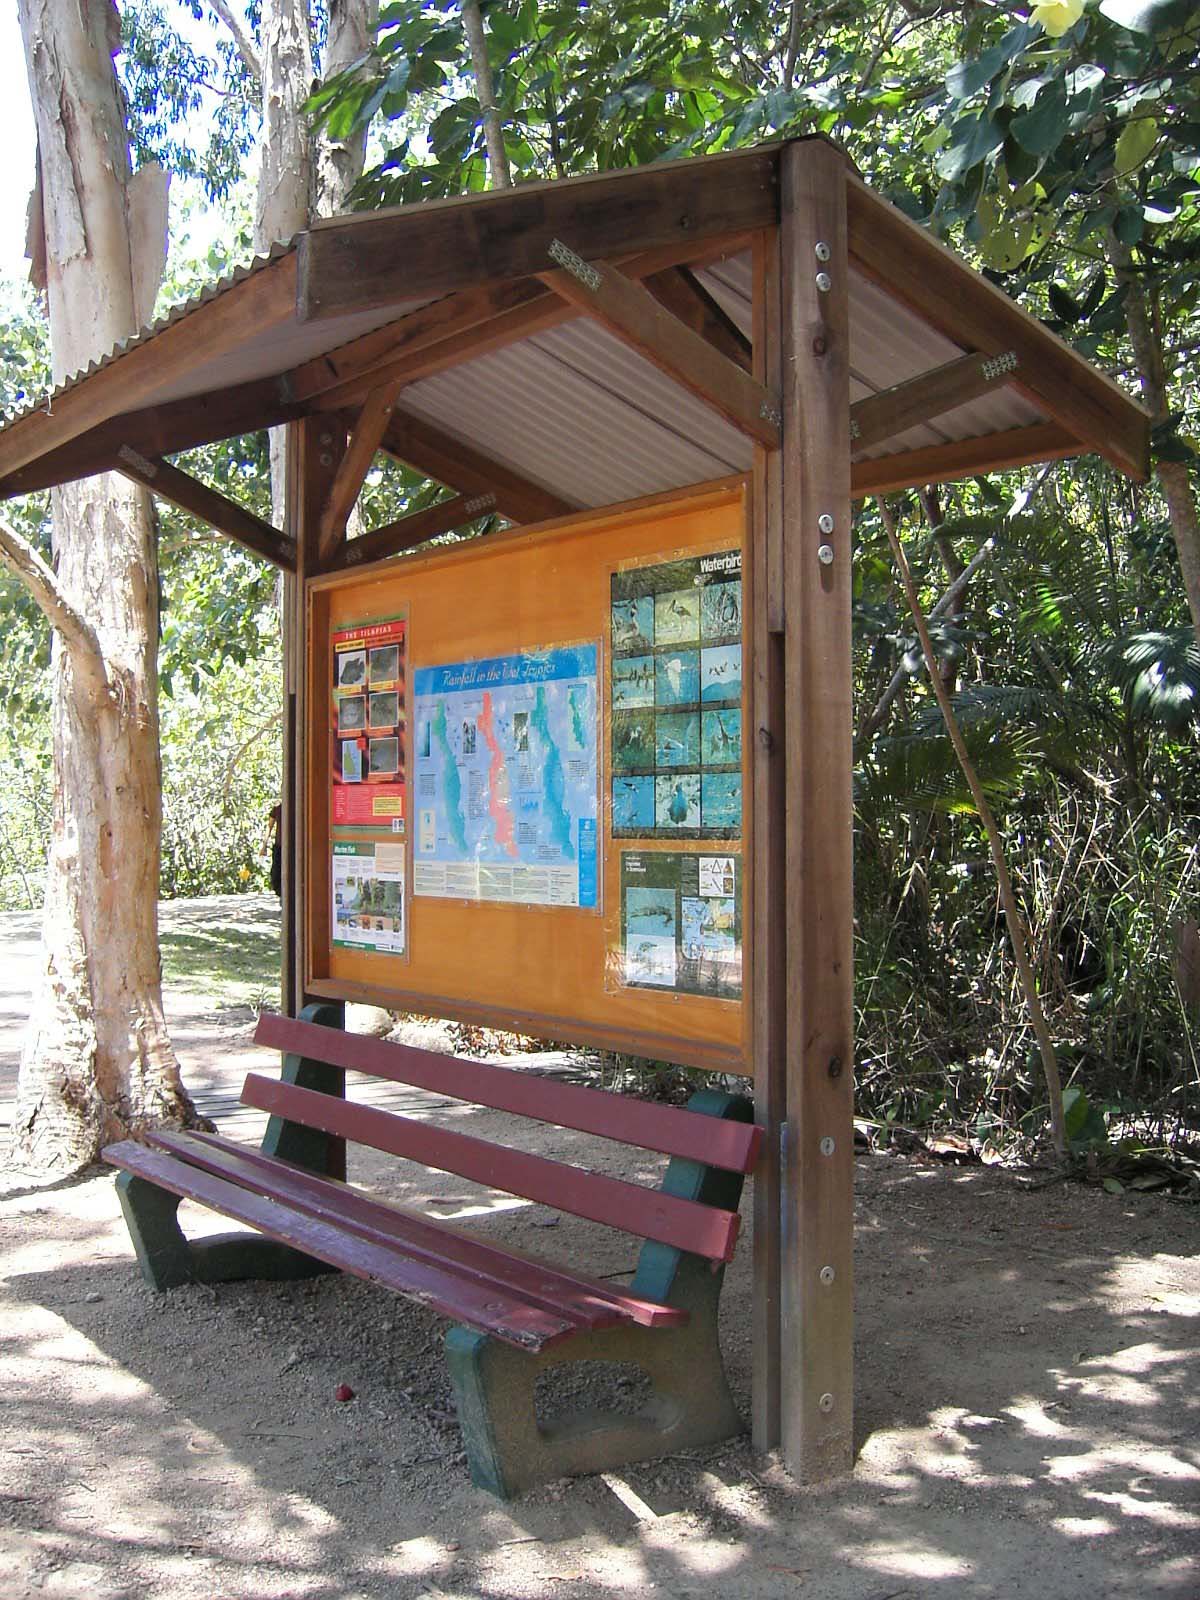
(98, 1061)
(1173, 476)
(1012, 913)
(340, 161)
(485, 93)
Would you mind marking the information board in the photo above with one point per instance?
(562, 842)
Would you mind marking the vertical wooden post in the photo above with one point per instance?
(768, 997)
(818, 1161)
(314, 448)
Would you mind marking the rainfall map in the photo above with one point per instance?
(505, 778)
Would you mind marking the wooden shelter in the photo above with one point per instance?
(717, 353)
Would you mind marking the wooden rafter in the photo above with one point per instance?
(905, 405)
(427, 449)
(264, 299)
(911, 265)
(158, 431)
(462, 327)
(413, 529)
(364, 262)
(630, 311)
(690, 301)
(366, 435)
(212, 507)
(965, 458)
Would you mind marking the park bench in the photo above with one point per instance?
(515, 1314)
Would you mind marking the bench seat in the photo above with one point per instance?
(514, 1314)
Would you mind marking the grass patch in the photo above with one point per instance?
(227, 963)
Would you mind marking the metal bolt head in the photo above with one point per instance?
(825, 522)
(827, 1275)
(821, 250)
(826, 1402)
(828, 1146)
(326, 460)
(824, 282)
(825, 555)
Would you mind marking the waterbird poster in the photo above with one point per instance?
(681, 922)
(505, 778)
(676, 698)
(368, 724)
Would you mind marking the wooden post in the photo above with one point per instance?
(767, 993)
(315, 447)
(818, 1160)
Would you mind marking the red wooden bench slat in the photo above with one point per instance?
(649, 1213)
(553, 1288)
(668, 1129)
(480, 1305)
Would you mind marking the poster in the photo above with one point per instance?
(368, 896)
(367, 715)
(505, 778)
(676, 699)
(681, 923)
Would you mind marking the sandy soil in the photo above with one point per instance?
(1026, 1413)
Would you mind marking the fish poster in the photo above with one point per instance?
(681, 923)
(676, 699)
(367, 713)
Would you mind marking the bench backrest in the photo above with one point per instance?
(688, 1224)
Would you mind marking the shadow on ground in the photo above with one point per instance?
(1026, 1422)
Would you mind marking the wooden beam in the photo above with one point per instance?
(245, 311)
(312, 462)
(413, 529)
(213, 508)
(919, 271)
(360, 263)
(905, 405)
(964, 458)
(366, 436)
(459, 328)
(818, 1161)
(157, 431)
(690, 301)
(630, 311)
(427, 449)
(765, 849)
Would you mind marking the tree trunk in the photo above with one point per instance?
(98, 1061)
(485, 93)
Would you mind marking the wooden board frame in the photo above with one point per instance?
(440, 976)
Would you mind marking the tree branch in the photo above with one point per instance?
(240, 38)
(76, 632)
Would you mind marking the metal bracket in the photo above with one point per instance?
(771, 414)
(480, 504)
(855, 430)
(575, 265)
(132, 458)
(997, 366)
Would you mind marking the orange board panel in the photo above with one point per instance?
(555, 971)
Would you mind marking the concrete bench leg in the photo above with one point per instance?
(509, 1450)
(167, 1258)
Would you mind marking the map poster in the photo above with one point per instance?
(681, 923)
(676, 699)
(368, 896)
(367, 724)
(505, 781)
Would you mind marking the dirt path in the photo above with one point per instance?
(1026, 1421)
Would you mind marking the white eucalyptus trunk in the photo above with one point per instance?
(98, 1061)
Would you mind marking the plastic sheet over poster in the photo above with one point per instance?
(368, 724)
(505, 778)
